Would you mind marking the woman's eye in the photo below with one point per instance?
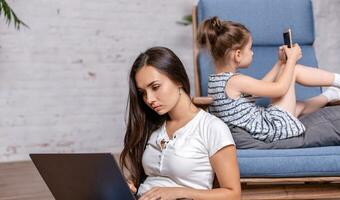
(155, 87)
(141, 93)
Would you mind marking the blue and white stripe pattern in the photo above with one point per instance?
(266, 124)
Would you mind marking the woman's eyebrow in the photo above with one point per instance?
(151, 83)
(148, 85)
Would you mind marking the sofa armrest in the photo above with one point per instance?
(334, 103)
(202, 102)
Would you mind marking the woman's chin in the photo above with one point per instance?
(160, 111)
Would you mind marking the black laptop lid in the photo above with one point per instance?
(82, 176)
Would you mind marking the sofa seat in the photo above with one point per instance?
(302, 162)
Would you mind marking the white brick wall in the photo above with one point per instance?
(63, 82)
(327, 37)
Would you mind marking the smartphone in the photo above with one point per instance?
(287, 38)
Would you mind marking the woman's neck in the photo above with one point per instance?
(220, 68)
(184, 110)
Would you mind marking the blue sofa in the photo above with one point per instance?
(266, 19)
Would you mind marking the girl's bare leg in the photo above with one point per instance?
(310, 105)
(271, 75)
(310, 76)
(307, 76)
(288, 101)
(300, 106)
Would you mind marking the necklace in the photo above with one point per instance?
(163, 143)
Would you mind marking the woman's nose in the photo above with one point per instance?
(149, 98)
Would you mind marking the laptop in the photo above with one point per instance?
(82, 176)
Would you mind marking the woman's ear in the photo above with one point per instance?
(179, 84)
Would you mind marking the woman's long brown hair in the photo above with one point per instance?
(141, 120)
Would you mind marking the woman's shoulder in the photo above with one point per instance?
(214, 130)
(210, 121)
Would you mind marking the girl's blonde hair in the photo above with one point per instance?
(221, 37)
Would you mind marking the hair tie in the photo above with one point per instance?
(217, 26)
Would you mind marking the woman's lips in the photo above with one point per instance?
(156, 108)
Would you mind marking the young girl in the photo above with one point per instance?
(230, 45)
(172, 149)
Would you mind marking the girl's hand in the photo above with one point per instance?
(132, 186)
(282, 54)
(163, 193)
(294, 53)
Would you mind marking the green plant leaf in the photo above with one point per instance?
(9, 15)
(186, 20)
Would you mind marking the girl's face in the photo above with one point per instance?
(247, 54)
(159, 92)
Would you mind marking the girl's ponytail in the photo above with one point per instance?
(209, 31)
(219, 37)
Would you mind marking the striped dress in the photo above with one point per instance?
(266, 124)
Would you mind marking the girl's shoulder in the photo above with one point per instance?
(224, 76)
(221, 75)
(220, 79)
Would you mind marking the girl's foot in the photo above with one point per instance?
(336, 82)
(332, 94)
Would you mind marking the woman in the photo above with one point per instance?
(173, 149)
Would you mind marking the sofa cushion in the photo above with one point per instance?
(266, 20)
(318, 161)
(295, 156)
(322, 129)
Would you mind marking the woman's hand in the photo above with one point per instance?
(132, 186)
(294, 53)
(163, 193)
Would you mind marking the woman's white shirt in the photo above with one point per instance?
(184, 162)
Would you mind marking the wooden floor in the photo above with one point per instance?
(21, 181)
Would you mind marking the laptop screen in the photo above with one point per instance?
(82, 176)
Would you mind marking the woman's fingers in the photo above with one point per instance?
(131, 186)
(152, 194)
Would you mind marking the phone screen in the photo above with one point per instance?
(287, 37)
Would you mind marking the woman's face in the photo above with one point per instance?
(159, 92)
